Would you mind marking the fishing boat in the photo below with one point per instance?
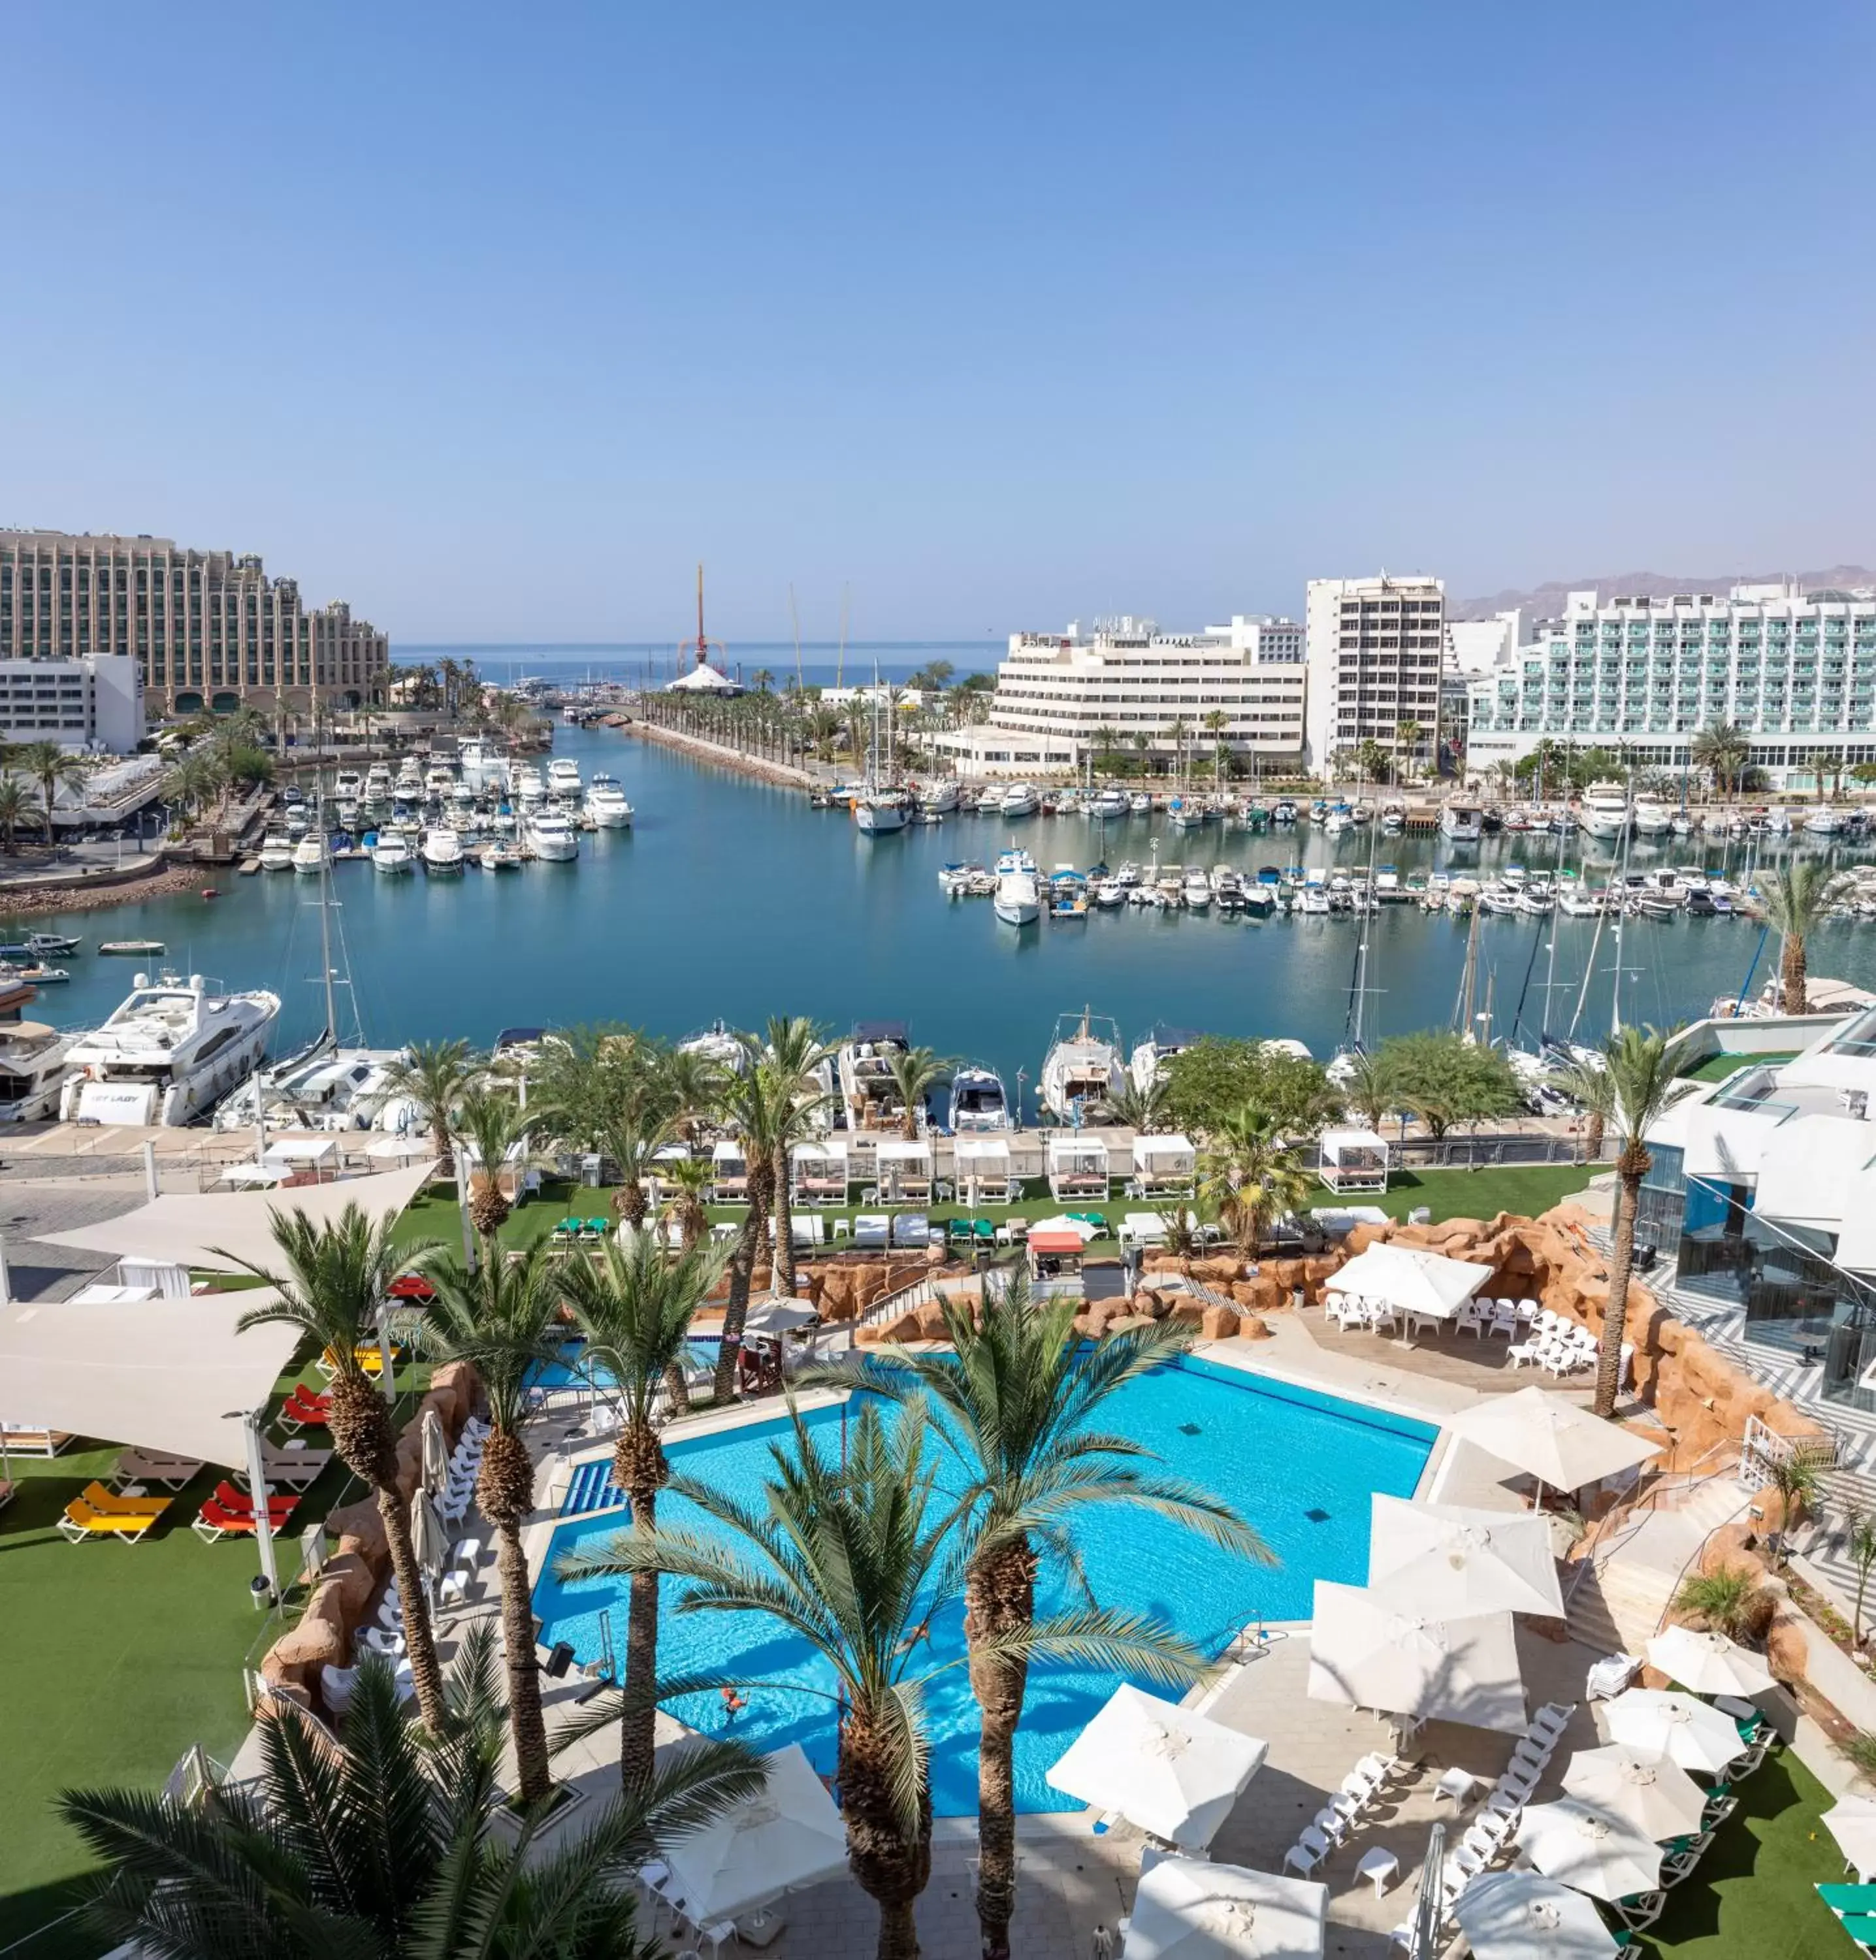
(1018, 899)
(310, 855)
(1462, 822)
(552, 838)
(391, 854)
(978, 1101)
(441, 850)
(132, 948)
(1067, 893)
(168, 1054)
(42, 946)
(1082, 1070)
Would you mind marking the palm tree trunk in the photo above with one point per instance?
(999, 1600)
(784, 1225)
(1792, 981)
(426, 1674)
(526, 1720)
(1615, 1314)
(637, 1748)
(741, 1273)
(891, 1867)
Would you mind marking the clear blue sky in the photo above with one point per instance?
(495, 319)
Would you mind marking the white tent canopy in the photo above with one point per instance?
(1852, 1823)
(1708, 1663)
(981, 1156)
(1077, 1151)
(1164, 1155)
(1520, 1916)
(1364, 1655)
(820, 1151)
(1556, 1441)
(1187, 1910)
(904, 1151)
(788, 1837)
(167, 1375)
(1408, 1277)
(187, 1228)
(1448, 1559)
(1173, 1772)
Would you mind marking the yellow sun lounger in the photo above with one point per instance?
(369, 1361)
(81, 1521)
(113, 1504)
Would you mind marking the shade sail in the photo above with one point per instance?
(1553, 1440)
(1589, 1850)
(1521, 1916)
(1362, 1654)
(1707, 1663)
(1447, 1559)
(1173, 1773)
(1652, 1791)
(1852, 1823)
(1407, 1278)
(1696, 1735)
(188, 1227)
(1187, 1910)
(167, 1375)
(788, 1836)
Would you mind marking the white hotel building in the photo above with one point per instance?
(1796, 671)
(1375, 647)
(1056, 693)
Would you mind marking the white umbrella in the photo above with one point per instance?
(1707, 1663)
(1590, 1850)
(407, 1148)
(779, 1313)
(1519, 1915)
(1406, 1277)
(1446, 1558)
(436, 1451)
(1187, 1910)
(1174, 1773)
(1554, 1440)
(1665, 1722)
(1364, 1654)
(1852, 1823)
(1652, 1792)
(428, 1540)
(787, 1836)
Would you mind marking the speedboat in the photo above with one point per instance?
(1019, 800)
(939, 799)
(553, 838)
(390, 855)
(168, 1055)
(276, 852)
(32, 1066)
(441, 849)
(1018, 898)
(606, 805)
(1197, 891)
(1652, 817)
(978, 1101)
(869, 1094)
(310, 855)
(347, 786)
(1082, 1069)
(1139, 803)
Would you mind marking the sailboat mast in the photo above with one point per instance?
(794, 620)
(325, 930)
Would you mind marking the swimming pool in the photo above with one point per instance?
(1298, 1465)
(701, 1353)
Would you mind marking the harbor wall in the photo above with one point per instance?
(763, 771)
(152, 877)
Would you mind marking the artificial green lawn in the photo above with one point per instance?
(1718, 1067)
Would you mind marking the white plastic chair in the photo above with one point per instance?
(1304, 1859)
(1382, 1317)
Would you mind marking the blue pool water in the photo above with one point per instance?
(1299, 1466)
(563, 1374)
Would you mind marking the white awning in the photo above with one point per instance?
(1075, 1151)
(905, 1152)
(1172, 1150)
(1555, 1441)
(1411, 1278)
(725, 1151)
(787, 1836)
(1364, 1655)
(827, 1152)
(168, 1375)
(1333, 1142)
(302, 1149)
(978, 1152)
(186, 1228)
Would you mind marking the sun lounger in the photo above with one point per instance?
(216, 1521)
(303, 1409)
(82, 1521)
(1849, 1901)
(239, 1502)
(122, 1504)
(297, 1469)
(154, 1466)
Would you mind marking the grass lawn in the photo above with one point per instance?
(1751, 1897)
(1718, 1067)
(1527, 1189)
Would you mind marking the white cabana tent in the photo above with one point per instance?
(1352, 1160)
(1186, 1909)
(1521, 1916)
(1078, 1166)
(1173, 1772)
(655, 1183)
(1852, 1821)
(1364, 1655)
(186, 1228)
(729, 1172)
(1589, 1850)
(1164, 1167)
(1409, 1278)
(905, 1171)
(1558, 1442)
(787, 1836)
(818, 1173)
(1450, 1559)
(1653, 1792)
(1695, 1733)
(1708, 1663)
(981, 1168)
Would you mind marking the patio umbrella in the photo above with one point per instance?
(1187, 1910)
(1589, 1849)
(1553, 1440)
(436, 1452)
(1852, 1823)
(779, 1313)
(1174, 1773)
(787, 1836)
(1707, 1663)
(1406, 1277)
(428, 1539)
(1363, 1654)
(1666, 1723)
(1652, 1792)
(1446, 1558)
(1519, 1915)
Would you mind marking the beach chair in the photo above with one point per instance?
(983, 1230)
(297, 1469)
(1862, 1928)
(596, 1228)
(959, 1232)
(303, 1409)
(217, 1520)
(83, 1519)
(1849, 1901)
(154, 1466)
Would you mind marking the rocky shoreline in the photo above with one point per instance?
(83, 895)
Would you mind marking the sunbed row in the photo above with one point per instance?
(1855, 1908)
(128, 1515)
(1362, 1788)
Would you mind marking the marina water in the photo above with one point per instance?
(729, 898)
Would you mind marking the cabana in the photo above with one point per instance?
(1164, 1167)
(1078, 1166)
(1410, 1280)
(1353, 1160)
(819, 1174)
(905, 1171)
(981, 1168)
(729, 1172)
(657, 1184)
(1054, 1254)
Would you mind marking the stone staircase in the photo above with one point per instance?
(1620, 1602)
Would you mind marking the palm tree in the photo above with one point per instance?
(1730, 1601)
(1798, 1479)
(851, 1557)
(1025, 1411)
(1723, 751)
(1795, 900)
(51, 768)
(501, 1319)
(333, 1283)
(1369, 1086)
(1104, 740)
(1633, 1087)
(763, 680)
(792, 1055)
(491, 1124)
(387, 1847)
(689, 1179)
(1406, 744)
(17, 805)
(1143, 1111)
(1251, 1176)
(1859, 1545)
(916, 1072)
(635, 1308)
(434, 1075)
(632, 1135)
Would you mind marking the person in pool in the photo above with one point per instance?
(734, 1704)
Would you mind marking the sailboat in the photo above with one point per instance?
(880, 808)
(1341, 1069)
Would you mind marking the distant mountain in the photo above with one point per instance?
(1547, 601)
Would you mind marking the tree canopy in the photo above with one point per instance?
(1208, 1082)
(1447, 1080)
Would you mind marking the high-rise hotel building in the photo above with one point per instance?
(1375, 646)
(1795, 671)
(209, 630)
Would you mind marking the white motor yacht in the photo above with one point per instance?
(1150, 1059)
(606, 808)
(441, 849)
(563, 777)
(979, 1101)
(347, 786)
(1018, 898)
(1108, 803)
(1653, 818)
(1197, 891)
(33, 1067)
(168, 1055)
(879, 813)
(1139, 803)
(326, 1089)
(1604, 812)
(276, 852)
(1019, 800)
(553, 838)
(310, 855)
(868, 1093)
(1082, 1069)
(390, 855)
(529, 788)
(939, 799)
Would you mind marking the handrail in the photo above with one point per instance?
(1698, 1552)
(1638, 1513)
